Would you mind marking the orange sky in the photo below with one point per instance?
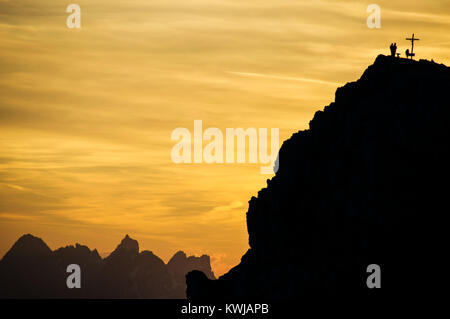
(86, 115)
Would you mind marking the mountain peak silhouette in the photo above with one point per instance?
(180, 262)
(179, 255)
(359, 187)
(78, 252)
(31, 270)
(28, 246)
(129, 244)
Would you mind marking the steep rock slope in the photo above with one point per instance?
(365, 184)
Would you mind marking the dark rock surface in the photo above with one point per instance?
(30, 269)
(179, 265)
(180, 262)
(365, 184)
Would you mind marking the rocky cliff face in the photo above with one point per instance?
(30, 269)
(365, 184)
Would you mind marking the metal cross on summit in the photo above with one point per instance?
(411, 54)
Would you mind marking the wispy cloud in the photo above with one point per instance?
(16, 217)
(17, 187)
(86, 115)
(283, 78)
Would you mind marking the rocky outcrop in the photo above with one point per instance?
(30, 269)
(363, 185)
(180, 264)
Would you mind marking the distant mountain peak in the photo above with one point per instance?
(81, 251)
(28, 246)
(31, 270)
(129, 244)
(29, 238)
(177, 257)
(180, 262)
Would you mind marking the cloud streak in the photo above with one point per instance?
(283, 78)
(86, 115)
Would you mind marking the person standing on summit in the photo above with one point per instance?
(393, 48)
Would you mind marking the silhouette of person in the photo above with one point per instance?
(393, 48)
(407, 53)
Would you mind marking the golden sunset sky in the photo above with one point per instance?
(86, 115)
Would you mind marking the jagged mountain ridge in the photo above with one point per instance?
(363, 185)
(30, 269)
